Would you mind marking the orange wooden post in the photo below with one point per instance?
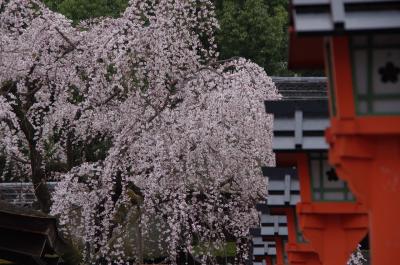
(268, 260)
(362, 61)
(365, 151)
(302, 255)
(333, 228)
(279, 250)
(299, 253)
(334, 233)
(279, 257)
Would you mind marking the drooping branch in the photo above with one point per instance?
(170, 152)
(72, 45)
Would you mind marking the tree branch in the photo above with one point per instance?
(65, 38)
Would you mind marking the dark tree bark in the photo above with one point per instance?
(39, 181)
(38, 175)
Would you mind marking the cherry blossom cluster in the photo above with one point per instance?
(188, 132)
(357, 258)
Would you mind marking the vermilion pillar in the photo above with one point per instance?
(362, 61)
(333, 228)
(365, 151)
(268, 260)
(334, 233)
(279, 250)
(279, 257)
(302, 255)
(299, 253)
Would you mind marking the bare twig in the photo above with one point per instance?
(158, 111)
(20, 159)
(65, 37)
(206, 67)
(9, 123)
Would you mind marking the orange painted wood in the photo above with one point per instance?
(304, 177)
(305, 52)
(365, 151)
(302, 254)
(268, 260)
(279, 250)
(298, 253)
(367, 125)
(333, 229)
(371, 166)
(289, 212)
(342, 77)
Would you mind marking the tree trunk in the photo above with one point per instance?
(38, 177)
(139, 239)
(69, 253)
(39, 181)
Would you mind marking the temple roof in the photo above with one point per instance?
(301, 88)
(328, 17)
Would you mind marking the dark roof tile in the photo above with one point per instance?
(301, 88)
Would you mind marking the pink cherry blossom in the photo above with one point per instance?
(188, 132)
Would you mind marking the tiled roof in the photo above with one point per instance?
(20, 194)
(301, 88)
(316, 17)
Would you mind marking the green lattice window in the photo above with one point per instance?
(325, 184)
(376, 74)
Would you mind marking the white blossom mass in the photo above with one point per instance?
(182, 135)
